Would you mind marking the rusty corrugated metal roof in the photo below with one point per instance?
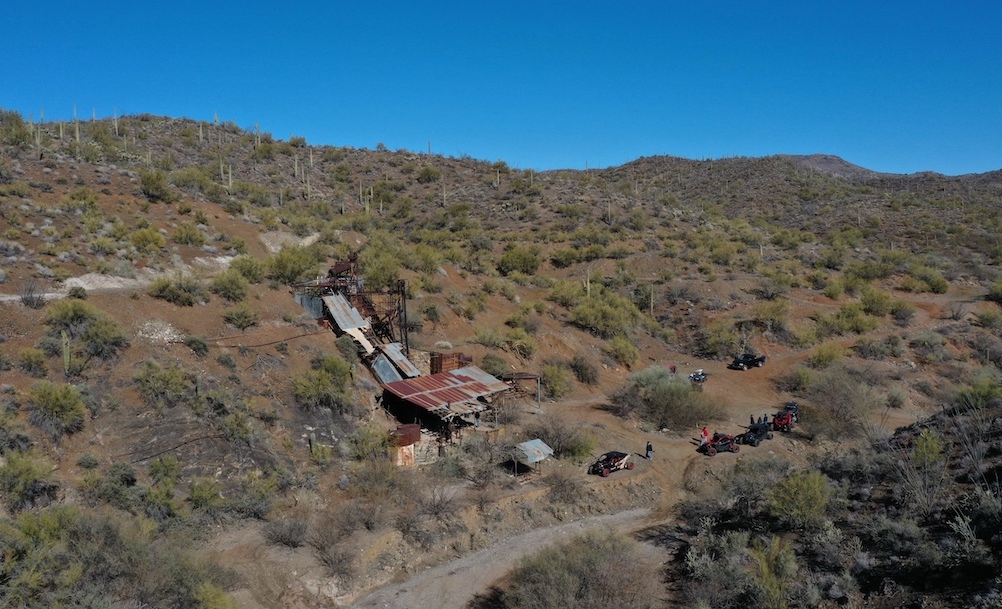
(395, 351)
(456, 390)
(345, 316)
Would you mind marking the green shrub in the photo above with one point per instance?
(32, 361)
(148, 241)
(240, 317)
(875, 302)
(292, 264)
(26, 480)
(494, 365)
(324, 387)
(665, 400)
(154, 186)
(183, 290)
(188, 234)
(77, 292)
(252, 269)
(605, 314)
(555, 380)
(564, 576)
(518, 258)
(56, 409)
(428, 174)
(825, 355)
(623, 350)
(160, 386)
(803, 498)
(520, 343)
(198, 345)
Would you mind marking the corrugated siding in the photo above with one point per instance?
(384, 370)
(313, 305)
(534, 451)
(395, 351)
(457, 390)
(345, 316)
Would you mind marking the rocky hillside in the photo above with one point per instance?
(163, 392)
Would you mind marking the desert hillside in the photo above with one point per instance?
(177, 431)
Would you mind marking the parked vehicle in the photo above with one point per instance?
(757, 432)
(610, 462)
(746, 361)
(720, 442)
(787, 418)
(698, 376)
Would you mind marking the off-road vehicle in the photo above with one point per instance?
(610, 462)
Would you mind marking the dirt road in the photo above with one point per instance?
(454, 584)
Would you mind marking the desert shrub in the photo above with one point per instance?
(563, 488)
(147, 240)
(77, 293)
(623, 350)
(26, 480)
(891, 346)
(564, 576)
(567, 440)
(198, 345)
(289, 531)
(825, 355)
(183, 290)
(566, 293)
(850, 319)
(719, 338)
(329, 542)
(71, 316)
(605, 314)
(325, 386)
(875, 302)
(521, 259)
(292, 264)
(995, 292)
(165, 470)
(249, 267)
(494, 365)
(188, 234)
(555, 381)
(840, 404)
(32, 362)
(231, 285)
(155, 187)
(205, 495)
(56, 409)
(428, 174)
(160, 386)
(240, 317)
(519, 342)
(665, 400)
(585, 371)
(926, 279)
(803, 498)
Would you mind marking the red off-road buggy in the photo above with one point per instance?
(720, 442)
(787, 418)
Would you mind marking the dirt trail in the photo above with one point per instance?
(454, 584)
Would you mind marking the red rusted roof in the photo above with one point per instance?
(442, 390)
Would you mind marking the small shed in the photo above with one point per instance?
(532, 452)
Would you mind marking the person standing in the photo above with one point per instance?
(704, 436)
(650, 452)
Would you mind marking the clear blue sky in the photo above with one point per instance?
(892, 86)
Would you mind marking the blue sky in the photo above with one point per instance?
(896, 87)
